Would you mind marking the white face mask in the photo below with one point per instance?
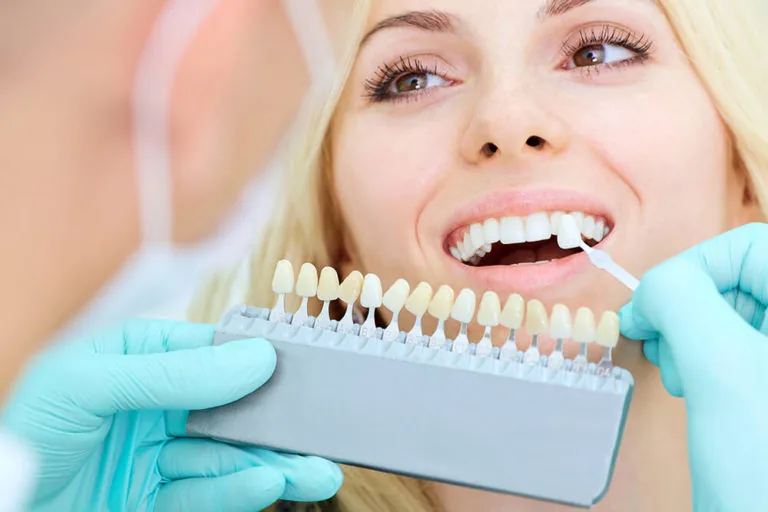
(159, 271)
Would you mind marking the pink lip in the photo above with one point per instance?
(523, 202)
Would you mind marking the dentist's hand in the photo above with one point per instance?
(107, 419)
(704, 316)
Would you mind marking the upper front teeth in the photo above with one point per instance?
(478, 239)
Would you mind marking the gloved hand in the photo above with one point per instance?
(107, 418)
(704, 316)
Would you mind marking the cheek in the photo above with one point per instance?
(384, 172)
(670, 148)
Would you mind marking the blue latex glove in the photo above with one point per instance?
(703, 313)
(107, 415)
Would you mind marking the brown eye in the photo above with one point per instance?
(411, 82)
(589, 56)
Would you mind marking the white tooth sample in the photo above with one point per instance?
(599, 229)
(456, 253)
(554, 220)
(608, 336)
(535, 324)
(306, 287)
(371, 297)
(488, 316)
(579, 218)
(463, 311)
(418, 304)
(327, 291)
(349, 291)
(512, 318)
(512, 230)
(560, 327)
(584, 333)
(491, 231)
(537, 227)
(394, 300)
(588, 227)
(440, 308)
(282, 284)
(477, 235)
(569, 235)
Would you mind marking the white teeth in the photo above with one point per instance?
(282, 281)
(489, 311)
(328, 289)
(512, 230)
(535, 318)
(395, 298)
(537, 227)
(306, 283)
(560, 325)
(492, 231)
(584, 326)
(464, 307)
(350, 288)
(371, 296)
(477, 241)
(442, 302)
(418, 302)
(568, 236)
(513, 312)
(608, 330)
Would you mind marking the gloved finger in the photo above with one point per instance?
(154, 337)
(250, 490)
(631, 328)
(651, 351)
(670, 378)
(306, 478)
(187, 379)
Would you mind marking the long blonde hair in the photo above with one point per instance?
(724, 41)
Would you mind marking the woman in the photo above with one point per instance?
(457, 112)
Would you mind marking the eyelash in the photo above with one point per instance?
(377, 87)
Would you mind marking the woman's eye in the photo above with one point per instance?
(597, 54)
(413, 82)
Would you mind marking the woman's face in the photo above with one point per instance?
(500, 114)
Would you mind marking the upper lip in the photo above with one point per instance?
(523, 202)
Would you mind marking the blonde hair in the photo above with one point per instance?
(723, 41)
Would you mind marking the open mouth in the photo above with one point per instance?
(521, 240)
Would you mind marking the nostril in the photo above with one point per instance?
(534, 142)
(489, 149)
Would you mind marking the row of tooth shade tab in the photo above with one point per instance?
(515, 314)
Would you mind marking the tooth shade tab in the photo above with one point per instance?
(584, 326)
(560, 325)
(490, 310)
(418, 302)
(350, 288)
(535, 318)
(568, 234)
(306, 284)
(513, 313)
(328, 288)
(394, 299)
(463, 309)
(442, 302)
(608, 331)
(283, 279)
(371, 295)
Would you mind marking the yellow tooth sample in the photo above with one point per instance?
(535, 318)
(328, 287)
(560, 325)
(584, 326)
(608, 330)
(327, 291)
(418, 301)
(441, 304)
(349, 291)
(282, 284)
(463, 310)
(394, 300)
(489, 311)
(514, 310)
(418, 304)
(282, 281)
(306, 284)
(440, 308)
(306, 287)
(350, 288)
(371, 295)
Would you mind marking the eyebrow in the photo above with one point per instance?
(559, 7)
(430, 21)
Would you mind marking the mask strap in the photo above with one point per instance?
(171, 35)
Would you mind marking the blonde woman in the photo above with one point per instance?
(649, 116)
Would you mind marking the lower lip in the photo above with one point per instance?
(526, 277)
